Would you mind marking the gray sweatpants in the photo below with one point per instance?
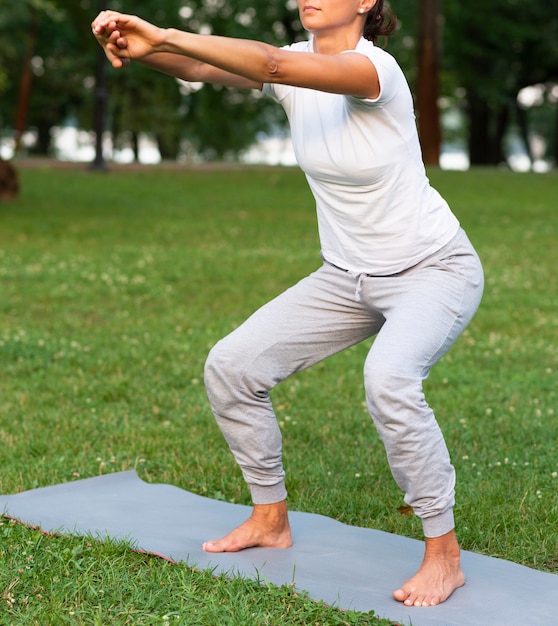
(416, 316)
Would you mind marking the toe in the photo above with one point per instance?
(400, 595)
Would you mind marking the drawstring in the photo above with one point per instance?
(359, 275)
(358, 290)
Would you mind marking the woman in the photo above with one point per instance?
(396, 264)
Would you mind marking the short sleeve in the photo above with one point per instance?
(390, 74)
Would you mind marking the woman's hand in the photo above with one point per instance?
(126, 37)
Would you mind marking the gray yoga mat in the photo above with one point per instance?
(345, 566)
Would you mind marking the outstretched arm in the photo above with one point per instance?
(125, 37)
(129, 37)
(235, 62)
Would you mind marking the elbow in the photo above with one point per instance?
(271, 69)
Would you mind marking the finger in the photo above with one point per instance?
(117, 39)
(98, 24)
(114, 49)
(119, 64)
(118, 55)
(106, 20)
(113, 37)
(98, 28)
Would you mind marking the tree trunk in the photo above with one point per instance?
(487, 130)
(497, 153)
(43, 138)
(135, 145)
(100, 106)
(168, 146)
(20, 125)
(523, 123)
(428, 113)
(479, 140)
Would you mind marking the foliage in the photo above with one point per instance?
(139, 100)
(503, 46)
(513, 41)
(218, 121)
(52, 36)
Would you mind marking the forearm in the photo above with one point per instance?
(193, 70)
(173, 64)
(252, 60)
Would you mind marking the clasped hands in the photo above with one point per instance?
(126, 37)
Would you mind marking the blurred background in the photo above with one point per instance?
(484, 76)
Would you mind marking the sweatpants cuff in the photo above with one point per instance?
(268, 494)
(438, 525)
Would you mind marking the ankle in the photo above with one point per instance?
(275, 514)
(446, 546)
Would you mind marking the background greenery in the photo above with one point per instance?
(489, 51)
(113, 287)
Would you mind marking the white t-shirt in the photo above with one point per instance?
(377, 213)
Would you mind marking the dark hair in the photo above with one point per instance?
(380, 22)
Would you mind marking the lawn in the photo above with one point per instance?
(114, 286)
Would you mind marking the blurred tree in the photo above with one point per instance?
(208, 120)
(42, 70)
(144, 101)
(218, 122)
(428, 80)
(494, 50)
(488, 53)
(100, 104)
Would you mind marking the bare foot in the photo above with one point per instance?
(438, 577)
(267, 527)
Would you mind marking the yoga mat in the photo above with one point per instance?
(344, 566)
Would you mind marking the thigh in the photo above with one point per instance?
(312, 320)
(427, 308)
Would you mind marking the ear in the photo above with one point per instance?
(366, 5)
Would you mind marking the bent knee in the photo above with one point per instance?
(233, 371)
(221, 377)
(220, 364)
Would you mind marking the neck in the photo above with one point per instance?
(326, 45)
(335, 41)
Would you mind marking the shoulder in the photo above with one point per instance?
(390, 75)
(377, 55)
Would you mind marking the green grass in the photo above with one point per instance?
(113, 287)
